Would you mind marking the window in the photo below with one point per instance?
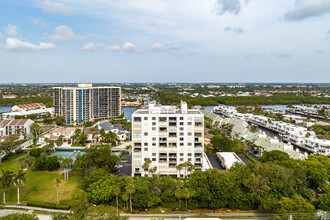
(189, 159)
(145, 149)
(154, 128)
(181, 139)
(146, 118)
(189, 133)
(181, 123)
(153, 118)
(145, 133)
(145, 144)
(138, 119)
(181, 128)
(153, 154)
(189, 154)
(181, 159)
(181, 154)
(153, 123)
(153, 138)
(181, 144)
(189, 123)
(162, 119)
(153, 159)
(153, 144)
(181, 118)
(189, 144)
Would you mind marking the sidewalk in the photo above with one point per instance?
(36, 208)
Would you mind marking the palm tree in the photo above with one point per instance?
(187, 194)
(125, 198)
(179, 195)
(116, 192)
(70, 162)
(130, 189)
(19, 179)
(6, 181)
(21, 161)
(179, 167)
(57, 184)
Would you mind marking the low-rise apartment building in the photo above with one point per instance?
(15, 126)
(168, 136)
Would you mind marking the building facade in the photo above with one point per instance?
(15, 126)
(168, 136)
(86, 103)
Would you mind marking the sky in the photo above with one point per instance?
(110, 41)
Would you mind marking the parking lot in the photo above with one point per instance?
(127, 166)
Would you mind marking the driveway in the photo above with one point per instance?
(215, 162)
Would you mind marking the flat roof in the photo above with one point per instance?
(228, 159)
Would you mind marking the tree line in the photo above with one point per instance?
(168, 97)
(271, 185)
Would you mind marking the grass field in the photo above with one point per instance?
(39, 185)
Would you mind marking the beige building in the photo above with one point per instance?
(86, 103)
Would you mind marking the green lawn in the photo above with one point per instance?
(39, 185)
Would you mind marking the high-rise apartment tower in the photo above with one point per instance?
(86, 103)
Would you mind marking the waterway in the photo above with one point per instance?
(128, 111)
(5, 109)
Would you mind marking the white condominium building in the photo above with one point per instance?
(168, 136)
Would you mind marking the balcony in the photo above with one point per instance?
(162, 129)
(198, 144)
(172, 124)
(171, 144)
(162, 160)
(198, 134)
(172, 160)
(162, 144)
(172, 119)
(172, 135)
(198, 124)
(137, 150)
(162, 155)
(198, 160)
(162, 140)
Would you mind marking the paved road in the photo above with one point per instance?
(243, 159)
(205, 215)
(215, 162)
(36, 208)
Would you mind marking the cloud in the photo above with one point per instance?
(308, 8)
(88, 47)
(157, 47)
(17, 45)
(64, 33)
(230, 6)
(112, 48)
(11, 30)
(55, 8)
(281, 55)
(235, 30)
(39, 22)
(176, 47)
(115, 38)
(129, 47)
(320, 51)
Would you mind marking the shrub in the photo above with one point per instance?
(19, 216)
(35, 152)
(65, 205)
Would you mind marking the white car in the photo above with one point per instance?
(118, 166)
